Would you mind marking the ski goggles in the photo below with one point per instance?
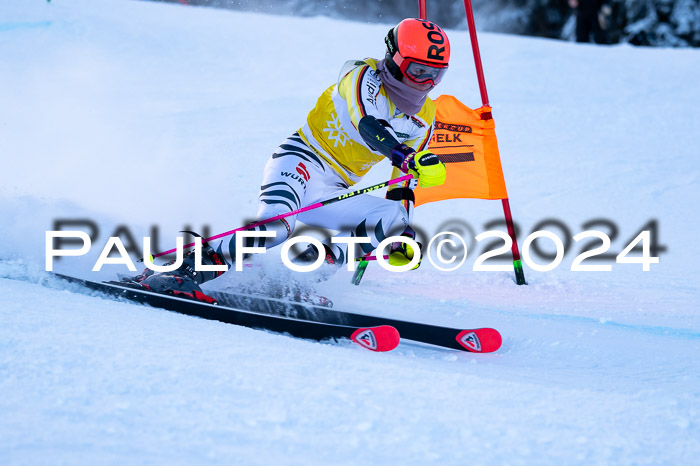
(418, 72)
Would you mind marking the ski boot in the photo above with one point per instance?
(185, 280)
(330, 265)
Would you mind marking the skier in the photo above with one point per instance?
(378, 109)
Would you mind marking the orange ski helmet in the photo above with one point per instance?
(419, 50)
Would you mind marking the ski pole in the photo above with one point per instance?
(298, 211)
(370, 258)
(361, 267)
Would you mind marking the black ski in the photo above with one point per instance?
(375, 338)
(479, 340)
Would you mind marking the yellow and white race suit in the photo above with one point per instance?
(331, 127)
(327, 155)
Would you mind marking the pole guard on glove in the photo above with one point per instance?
(425, 166)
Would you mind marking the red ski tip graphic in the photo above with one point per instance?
(382, 338)
(480, 340)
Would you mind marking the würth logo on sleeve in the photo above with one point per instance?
(301, 169)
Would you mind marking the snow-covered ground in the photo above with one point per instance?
(147, 114)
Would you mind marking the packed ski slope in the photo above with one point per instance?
(145, 114)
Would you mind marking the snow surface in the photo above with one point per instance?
(141, 114)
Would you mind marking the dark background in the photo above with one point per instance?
(659, 23)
